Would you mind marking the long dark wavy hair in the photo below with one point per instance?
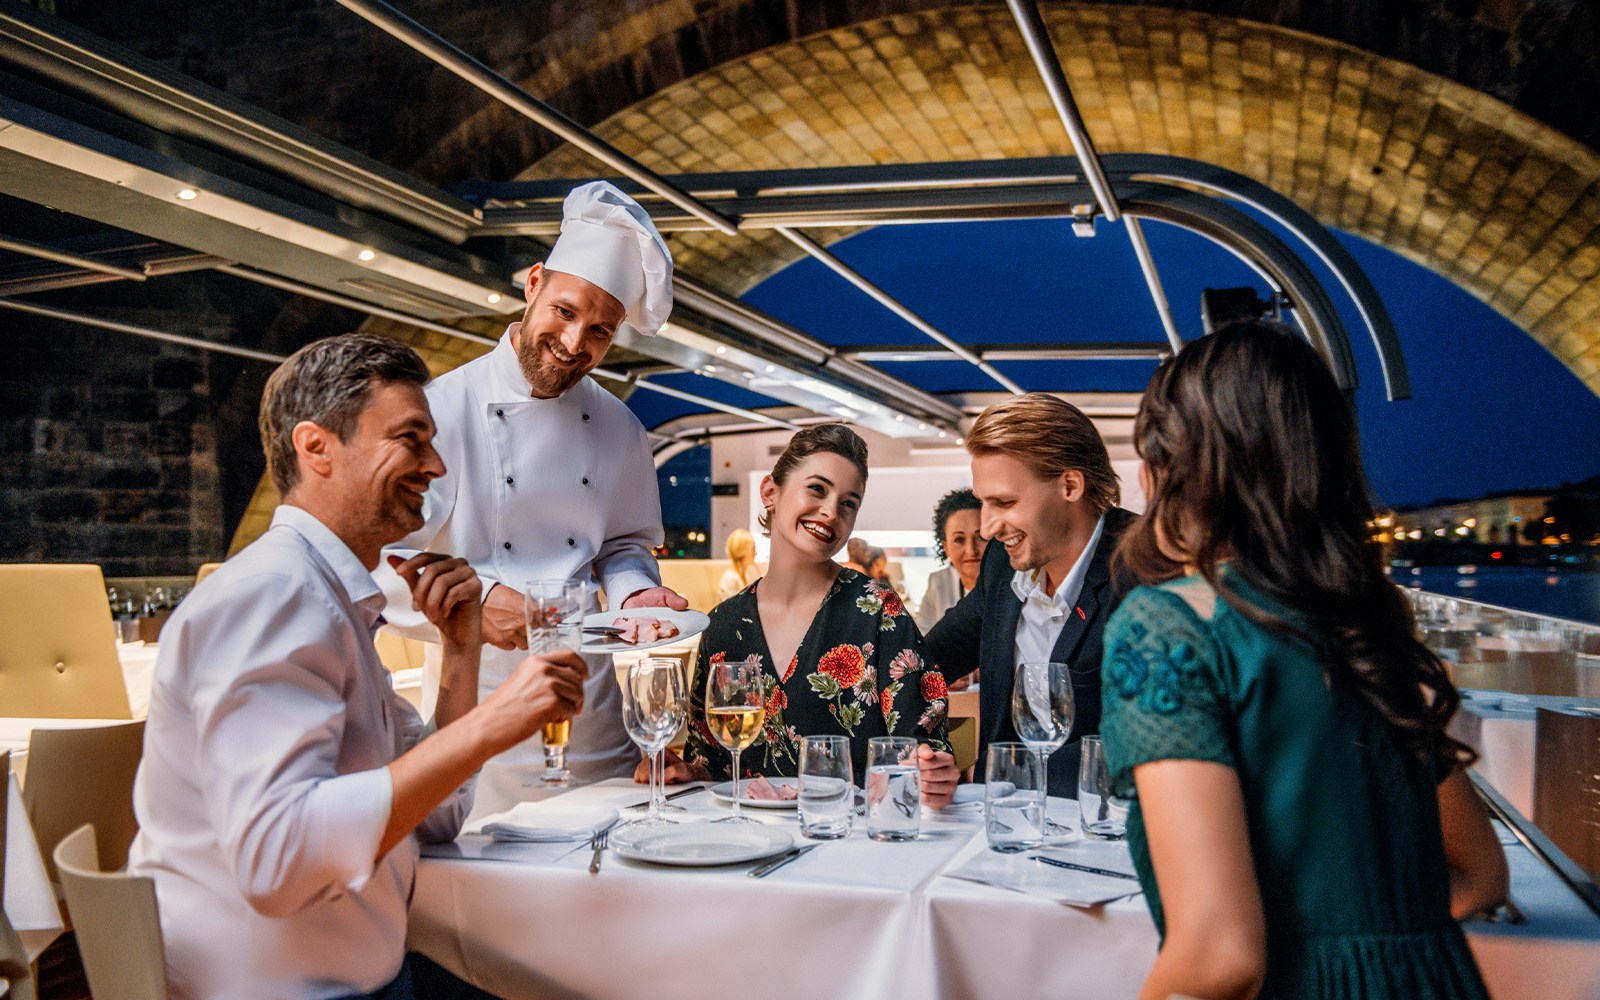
(1256, 464)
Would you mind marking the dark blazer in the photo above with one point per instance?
(981, 631)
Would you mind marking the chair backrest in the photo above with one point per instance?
(397, 652)
(78, 776)
(117, 923)
(206, 569)
(5, 801)
(695, 579)
(15, 969)
(58, 658)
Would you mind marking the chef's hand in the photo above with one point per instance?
(446, 590)
(656, 597)
(504, 623)
(939, 776)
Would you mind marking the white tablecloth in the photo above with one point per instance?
(30, 902)
(858, 919)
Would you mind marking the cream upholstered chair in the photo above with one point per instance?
(117, 923)
(58, 658)
(15, 969)
(206, 569)
(78, 776)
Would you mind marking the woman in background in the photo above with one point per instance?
(959, 547)
(742, 553)
(1302, 824)
(839, 654)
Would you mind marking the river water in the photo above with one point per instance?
(1570, 595)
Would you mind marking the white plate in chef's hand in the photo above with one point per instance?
(702, 845)
(690, 624)
(724, 791)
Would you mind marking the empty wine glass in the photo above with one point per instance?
(1041, 712)
(654, 703)
(735, 712)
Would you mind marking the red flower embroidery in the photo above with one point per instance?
(844, 664)
(794, 661)
(933, 686)
(892, 605)
(887, 702)
(717, 659)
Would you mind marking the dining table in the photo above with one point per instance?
(941, 916)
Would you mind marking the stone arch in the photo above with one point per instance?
(1503, 205)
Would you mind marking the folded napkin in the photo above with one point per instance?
(547, 822)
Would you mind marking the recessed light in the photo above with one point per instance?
(922, 427)
(366, 255)
(188, 194)
(900, 417)
(771, 369)
(722, 350)
(494, 297)
(943, 434)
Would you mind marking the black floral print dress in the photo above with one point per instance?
(859, 672)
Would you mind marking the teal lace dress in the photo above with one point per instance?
(1344, 826)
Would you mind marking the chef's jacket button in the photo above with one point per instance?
(572, 541)
(586, 416)
(510, 481)
(500, 413)
(508, 545)
(586, 480)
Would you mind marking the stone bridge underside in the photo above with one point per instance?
(1502, 204)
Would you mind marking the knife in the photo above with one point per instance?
(675, 795)
(1083, 868)
(781, 860)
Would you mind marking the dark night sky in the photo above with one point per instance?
(1491, 409)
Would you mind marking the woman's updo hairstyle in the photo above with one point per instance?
(835, 438)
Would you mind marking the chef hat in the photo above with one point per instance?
(609, 241)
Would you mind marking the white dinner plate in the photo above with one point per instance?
(690, 624)
(724, 791)
(702, 845)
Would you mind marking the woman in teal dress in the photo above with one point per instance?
(1301, 823)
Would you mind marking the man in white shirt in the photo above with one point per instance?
(551, 477)
(284, 785)
(1049, 496)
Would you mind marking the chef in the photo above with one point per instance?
(550, 477)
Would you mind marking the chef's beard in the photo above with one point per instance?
(545, 378)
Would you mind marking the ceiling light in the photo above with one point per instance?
(493, 298)
(922, 427)
(772, 368)
(901, 417)
(708, 369)
(188, 194)
(366, 255)
(722, 350)
(943, 434)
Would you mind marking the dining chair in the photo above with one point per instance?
(15, 969)
(116, 920)
(78, 776)
(206, 569)
(58, 659)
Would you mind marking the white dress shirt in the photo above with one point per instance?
(264, 788)
(1043, 615)
(537, 489)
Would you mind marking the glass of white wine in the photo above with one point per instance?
(1042, 710)
(654, 703)
(735, 711)
(553, 614)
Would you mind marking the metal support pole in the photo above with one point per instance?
(615, 376)
(39, 250)
(492, 83)
(889, 302)
(1152, 280)
(313, 292)
(139, 331)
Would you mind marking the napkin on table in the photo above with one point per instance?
(550, 821)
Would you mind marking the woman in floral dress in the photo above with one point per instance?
(839, 653)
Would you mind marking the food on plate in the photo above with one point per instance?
(638, 630)
(761, 788)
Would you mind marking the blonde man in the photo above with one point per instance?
(1049, 509)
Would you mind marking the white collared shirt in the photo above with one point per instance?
(1044, 615)
(264, 788)
(537, 489)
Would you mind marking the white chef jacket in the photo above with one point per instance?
(264, 790)
(537, 489)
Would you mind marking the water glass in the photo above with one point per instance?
(894, 789)
(827, 787)
(1104, 816)
(1013, 809)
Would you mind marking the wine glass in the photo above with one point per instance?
(553, 614)
(654, 703)
(1041, 712)
(735, 711)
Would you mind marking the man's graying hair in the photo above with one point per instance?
(328, 382)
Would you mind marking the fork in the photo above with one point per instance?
(598, 844)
